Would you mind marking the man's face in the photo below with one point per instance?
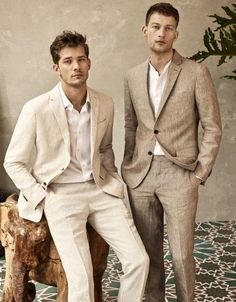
(73, 66)
(160, 33)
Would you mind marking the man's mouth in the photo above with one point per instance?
(77, 75)
(160, 42)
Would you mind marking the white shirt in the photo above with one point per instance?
(156, 87)
(79, 169)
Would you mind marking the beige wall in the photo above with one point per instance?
(113, 28)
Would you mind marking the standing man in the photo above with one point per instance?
(165, 99)
(72, 176)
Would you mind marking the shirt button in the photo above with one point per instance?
(156, 131)
(149, 152)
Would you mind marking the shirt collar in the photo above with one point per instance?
(67, 104)
(155, 73)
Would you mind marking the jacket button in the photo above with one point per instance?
(149, 152)
(44, 183)
(156, 131)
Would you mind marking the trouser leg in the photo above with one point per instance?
(99, 250)
(148, 217)
(179, 195)
(67, 218)
(112, 220)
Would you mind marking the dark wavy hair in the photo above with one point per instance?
(67, 39)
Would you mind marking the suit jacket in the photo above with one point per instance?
(188, 98)
(39, 150)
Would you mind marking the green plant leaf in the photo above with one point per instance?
(220, 42)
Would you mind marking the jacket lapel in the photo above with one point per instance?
(173, 73)
(60, 115)
(143, 87)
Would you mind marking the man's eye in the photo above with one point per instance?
(67, 62)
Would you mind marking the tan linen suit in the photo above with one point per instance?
(42, 131)
(168, 183)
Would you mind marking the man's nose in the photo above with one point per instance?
(161, 32)
(76, 65)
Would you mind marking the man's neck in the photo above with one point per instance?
(160, 60)
(76, 95)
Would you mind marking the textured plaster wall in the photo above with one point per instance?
(113, 28)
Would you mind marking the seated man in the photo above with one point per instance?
(72, 177)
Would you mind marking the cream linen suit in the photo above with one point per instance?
(42, 125)
(42, 131)
(167, 183)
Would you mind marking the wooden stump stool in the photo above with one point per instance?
(31, 255)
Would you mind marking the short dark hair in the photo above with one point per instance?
(67, 39)
(165, 9)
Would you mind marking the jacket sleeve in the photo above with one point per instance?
(106, 150)
(19, 154)
(209, 114)
(131, 124)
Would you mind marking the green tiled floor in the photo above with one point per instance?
(215, 255)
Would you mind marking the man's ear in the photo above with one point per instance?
(89, 62)
(176, 35)
(144, 30)
(56, 69)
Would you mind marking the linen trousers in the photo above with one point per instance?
(171, 190)
(67, 208)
